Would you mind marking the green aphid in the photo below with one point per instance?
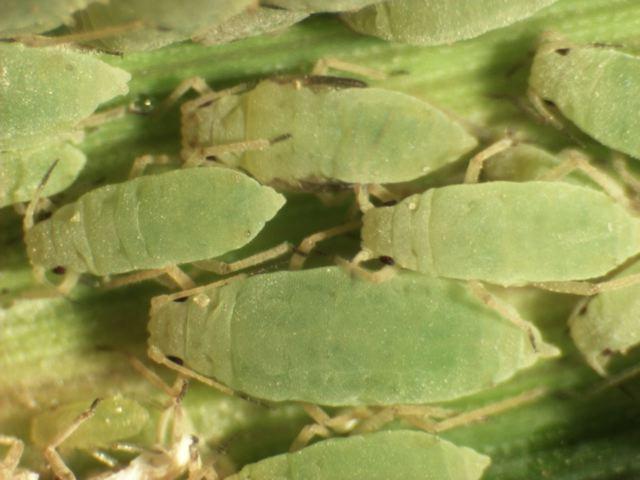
(316, 133)
(21, 171)
(595, 87)
(336, 339)
(506, 233)
(46, 92)
(608, 323)
(378, 456)
(161, 22)
(153, 222)
(437, 22)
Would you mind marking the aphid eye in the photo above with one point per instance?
(176, 360)
(387, 260)
(549, 103)
(281, 138)
(181, 299)
(59, 270)
(563, 51)
(143, 105)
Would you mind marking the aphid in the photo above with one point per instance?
(505, 233)
(383, 455)
(436, 22)
(608, 323)
(153, 222)
(104, 426)
(595, 87)
(22, 171)
(319, 133)
(313, 6)
(412, 339)
(164, 21)
(250, 23)
(20, 17)
(46, 92)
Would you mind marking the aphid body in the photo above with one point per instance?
(597, 88)
(506, 233)
(325, 134)
(336, 339)
(46, 92)
(436, 22)
(377, 456)
(153, 222)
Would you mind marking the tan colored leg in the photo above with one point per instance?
(141, 163)
(472, 174)
(589, 288)
(52, 456)
(157, 356)
(160, 300)
(29, 215)
(621, 166)
(11, 460)
(308, 244)
(616, 380)
(223, 268)
(544, 112)
(194, 83)
(181, 279)
(103, 458)
(483, 413)
(199, 156)
(579, 161)
(325, 424)
(413, 414)
(382, 193)
(385, 273)
(100, 118)
(323, 65)
(362, 198)
(43, 41)
(69, 281)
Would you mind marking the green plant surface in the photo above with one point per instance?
(55, 350)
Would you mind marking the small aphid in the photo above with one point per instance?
(314, 6)
(153, 222)
(365, 343)
(342, 134)
(608, 323)
(595, 87)
(383, 455)
(21, 171)
(437, 22)
(46, 92)
(250, 23)
(505, 233)
(163, 21)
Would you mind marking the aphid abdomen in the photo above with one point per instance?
(377, 456)
(412, 339)
(596, 88)
(160, 220)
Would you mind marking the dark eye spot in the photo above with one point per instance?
(387, 260)
(59, 270)
(563, 51)
(390, 203)
(46, 215)
(607, 352)
(176, 360)
(180, 299)
(549, 103)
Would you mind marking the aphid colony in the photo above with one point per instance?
(415, 325)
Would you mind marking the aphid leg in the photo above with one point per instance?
(511, 314)
(11, 460)
(309, 243)
(617, 379)
(589, 288)
(194, 83)
(132, 278)
(103, 458)
(69, 281)
(181, 279)
(223, 268)
(160, 300)
(579, 161)
(362, 197)
(323, 65)
(487, 411)
(543, 111)
(381, 193)
(32, 40)
(472, 174)
(621, 166)
(385, 273)
(420, 416)
(59, 468)
(106, 116)
(141, 163)
(157, 356)
(325, 424)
